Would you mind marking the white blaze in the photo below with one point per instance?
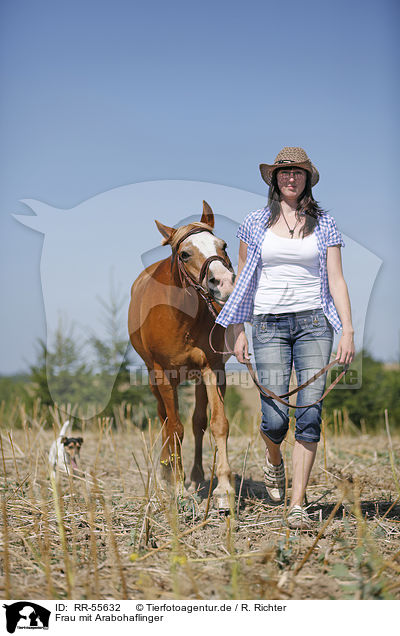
(207, 245)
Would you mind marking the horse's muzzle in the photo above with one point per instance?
(220, 284)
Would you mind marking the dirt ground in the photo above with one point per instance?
(111, 532)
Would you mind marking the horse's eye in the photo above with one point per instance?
(184, 256)
(224, 246)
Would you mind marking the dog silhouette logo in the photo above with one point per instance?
(111, 238)
(26, 615)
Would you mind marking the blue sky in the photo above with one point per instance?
(97, 95)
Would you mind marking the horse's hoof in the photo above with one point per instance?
(165, 486)
(224, 512)
(181, 492)
(223, 504)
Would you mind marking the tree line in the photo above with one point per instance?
(61, 371)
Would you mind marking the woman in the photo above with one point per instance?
(290, 285)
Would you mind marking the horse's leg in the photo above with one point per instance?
(199, 422)
(215, 382)
(172, 431)
(162, 414)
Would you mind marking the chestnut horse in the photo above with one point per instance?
(172, 311)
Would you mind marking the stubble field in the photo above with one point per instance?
(112, 532)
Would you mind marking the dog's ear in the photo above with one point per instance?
(80, 440)
(64, 440)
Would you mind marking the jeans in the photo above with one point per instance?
(304, 338)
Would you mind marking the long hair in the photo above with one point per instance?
(306, 205)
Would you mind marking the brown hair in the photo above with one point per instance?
(306, 205)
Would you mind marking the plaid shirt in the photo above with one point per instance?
(239, 306)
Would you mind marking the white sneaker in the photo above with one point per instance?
(274, 479)
(298, 519)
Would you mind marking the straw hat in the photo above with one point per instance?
(290, 157)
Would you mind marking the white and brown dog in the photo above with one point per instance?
(64, 452)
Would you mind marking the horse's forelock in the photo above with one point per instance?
(181, 231)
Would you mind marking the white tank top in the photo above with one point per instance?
(289, 279)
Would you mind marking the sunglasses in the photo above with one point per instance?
(285, 175)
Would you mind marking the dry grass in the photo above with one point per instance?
(113, 533)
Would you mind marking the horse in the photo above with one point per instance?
(172, 311)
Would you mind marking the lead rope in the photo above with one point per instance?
(270, 394)
(211, 345)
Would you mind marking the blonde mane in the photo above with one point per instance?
(181, 231)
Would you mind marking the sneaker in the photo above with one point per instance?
(298, 519)
(274, 479)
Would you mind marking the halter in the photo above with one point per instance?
(197, 284)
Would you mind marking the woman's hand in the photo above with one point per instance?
(345, 351)
(241, 348)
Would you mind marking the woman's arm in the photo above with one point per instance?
(241, 347)
(340, 295)
(242, 257)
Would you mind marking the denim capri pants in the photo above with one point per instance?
(301, 338)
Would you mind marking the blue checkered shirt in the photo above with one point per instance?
(239, 306)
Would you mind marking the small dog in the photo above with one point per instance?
(64, 452)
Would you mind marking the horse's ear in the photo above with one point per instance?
(208, 215)
(166, 231)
